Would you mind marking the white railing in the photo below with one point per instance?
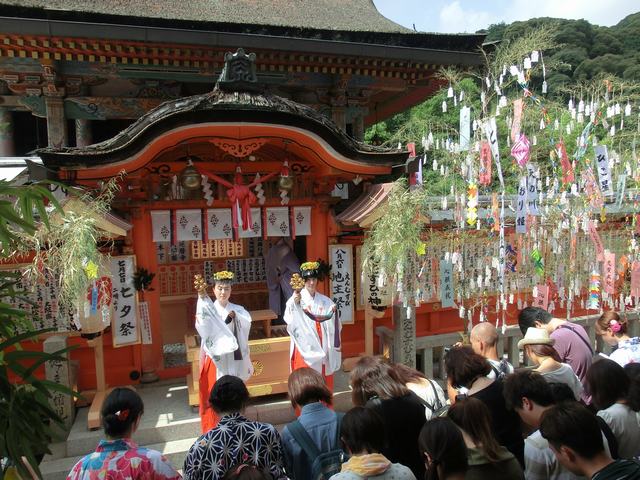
(431, 347)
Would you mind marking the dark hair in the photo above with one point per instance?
(443, 442)
(561, 392)
(363, 430)
(119, 412)
(572, 425)
(246, 471)
(543, 350)
(528, 317)
(608, 382)
(375, 377)
(463, 366)
(305, 386)
(473, 416)
(229, 394)
(633, 372)
(609, 316)
(407, 374)
(527, 384)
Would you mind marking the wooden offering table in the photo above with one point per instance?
(269, 356)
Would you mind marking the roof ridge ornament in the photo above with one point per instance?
(239, 72)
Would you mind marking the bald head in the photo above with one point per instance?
(484, 337)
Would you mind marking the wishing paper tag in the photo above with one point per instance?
(541, 300)
(491, 131)
(567, 167)
(609, 272)
(485, 164)
(521, 210)
(518, 105)
(597, 241)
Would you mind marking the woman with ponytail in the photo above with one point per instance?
(118, 456)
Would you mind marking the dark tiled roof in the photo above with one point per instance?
(218, 106)
(337, 15)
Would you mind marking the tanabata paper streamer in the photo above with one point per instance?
(485, 164)
(609, 272)
(521, 150)
(538, 264)
(517, 119)
(594, 291)
(472, 204)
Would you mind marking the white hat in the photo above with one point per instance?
(536, 336)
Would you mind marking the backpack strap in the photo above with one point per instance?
(611, 438)
(304, 439)
(569, 327)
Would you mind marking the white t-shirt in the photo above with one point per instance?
(565, 374)
(623, 422)
(425, 390)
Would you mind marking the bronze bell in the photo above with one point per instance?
(285, 183)
(190, 178)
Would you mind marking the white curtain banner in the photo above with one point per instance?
(278, 222)
(255, 229)
(302, 219)
(161, 225)
(219, 224)
(125, 327)
(189, 224)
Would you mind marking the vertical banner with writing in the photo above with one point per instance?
(371, 290)
(609, 272)
(446, 284)
(145, 323)
(491, 131)
(533, 176)
(521, 209)
(125, 329)
(341, 258)
(604, 172)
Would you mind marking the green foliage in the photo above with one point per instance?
(26, 418)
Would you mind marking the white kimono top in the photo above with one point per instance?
(217, 338)
(304, 335)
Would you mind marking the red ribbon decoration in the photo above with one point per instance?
(240, 196)
(567, 168)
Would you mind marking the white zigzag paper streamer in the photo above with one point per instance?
(259, 191)
(206, 190)
(284, 197)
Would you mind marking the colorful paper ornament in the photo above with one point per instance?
(521, 150)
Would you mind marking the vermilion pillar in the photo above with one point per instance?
(152, 358)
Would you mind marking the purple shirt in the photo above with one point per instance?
(572, 344)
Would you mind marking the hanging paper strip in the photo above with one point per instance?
(472, 204)
(491, 131)
(125, 328)
(567, 167)
(255, 229)
(597, 241)
(538, 263)
(485, 164)
(635, 280)
(277, 219)
(594, 291)
(219, 224)
(341, 190)
(604, 172)
(533, 176)
(591, 190)
(465, 128)
(542, 297)
(521, 210)
(609, 272)
(189, 224)
(521, 150)
(446, 284)
(302, 220)
(161, 225)
(495, 215)
(517, 119)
